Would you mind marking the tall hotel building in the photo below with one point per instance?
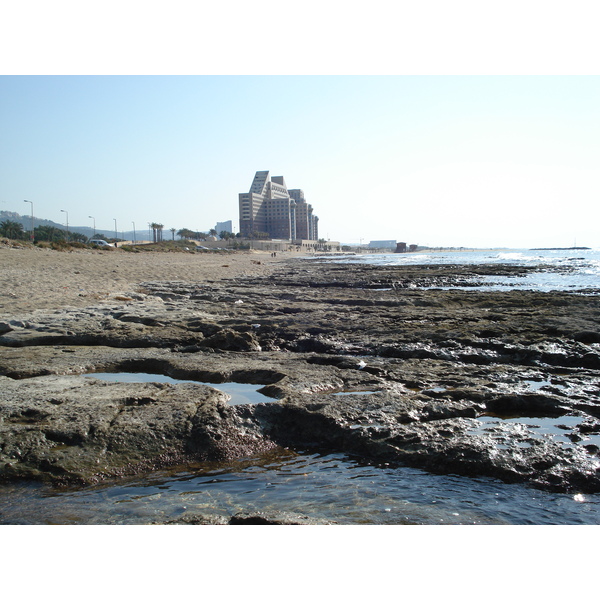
(270, 208)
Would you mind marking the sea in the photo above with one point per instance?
(334, 486)
(571, 269)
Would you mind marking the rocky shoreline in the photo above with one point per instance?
(379, 362)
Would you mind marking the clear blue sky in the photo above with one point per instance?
(438, 160)
(467, 161)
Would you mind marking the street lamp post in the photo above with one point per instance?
(133, 223)
(94, 226)
(61, 210)
(32, 235)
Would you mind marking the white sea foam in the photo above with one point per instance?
(514, 256)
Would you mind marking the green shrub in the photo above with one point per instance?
(60, 245)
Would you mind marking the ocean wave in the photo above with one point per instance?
(511, 256)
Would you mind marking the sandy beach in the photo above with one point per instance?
(39, 278)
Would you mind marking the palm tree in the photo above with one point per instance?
(173, 230)
(157, 231)
(11, 229)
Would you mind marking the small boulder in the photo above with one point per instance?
(228, 339)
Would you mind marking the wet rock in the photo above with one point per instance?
(75, 429)
(195, 519)
(361, 359)
(530, 404)
(230, 340)
(275, 518)
(511, 453)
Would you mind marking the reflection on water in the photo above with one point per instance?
(326, 486)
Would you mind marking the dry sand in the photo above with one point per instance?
(39, 278)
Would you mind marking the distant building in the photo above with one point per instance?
(224, 226)
(402, 247)
(269, 209)
(391, 244)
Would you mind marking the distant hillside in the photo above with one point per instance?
(570, 248)
(87, 231)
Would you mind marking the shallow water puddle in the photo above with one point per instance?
(328, 486)
(241, 393)
(565, 429)
(535, 385)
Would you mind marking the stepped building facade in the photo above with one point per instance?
(270, 210)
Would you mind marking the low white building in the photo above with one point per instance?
(385, 244)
